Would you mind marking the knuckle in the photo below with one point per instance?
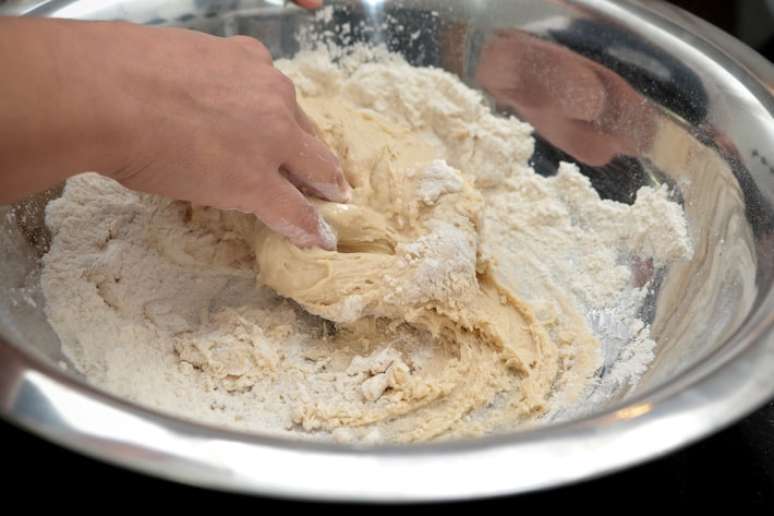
(280, 131)
(285, 127)
(253, 46)
(283, 85)
(306, 216)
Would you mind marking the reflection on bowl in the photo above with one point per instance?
(622, 90)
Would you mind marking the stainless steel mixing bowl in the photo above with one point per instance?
(692, 108)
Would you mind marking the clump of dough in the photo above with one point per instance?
(231, 348)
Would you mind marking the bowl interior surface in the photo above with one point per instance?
(709, 139)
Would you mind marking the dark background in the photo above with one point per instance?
(752, 21)
(735, 466)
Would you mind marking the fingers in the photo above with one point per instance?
(255, 47)
(308, 161)
(308, 4)
(286, 211)
(313, 167)
(306, 123)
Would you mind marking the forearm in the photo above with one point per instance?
(165, 111)
(57, 114)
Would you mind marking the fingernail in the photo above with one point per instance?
(328, 240)
(345, 192)
(345, 188)
(339, 192)
(324, 237)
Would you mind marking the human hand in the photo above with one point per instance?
(210, 120)
(165, 111)
(308, 4)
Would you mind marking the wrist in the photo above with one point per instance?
(105, 93)
(65, 108)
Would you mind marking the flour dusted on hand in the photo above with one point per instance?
(465, 295)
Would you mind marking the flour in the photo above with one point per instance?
(157, 302)
(436, 180)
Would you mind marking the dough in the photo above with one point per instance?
(460, 299)
(408, 260)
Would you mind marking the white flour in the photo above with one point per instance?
(166, 313)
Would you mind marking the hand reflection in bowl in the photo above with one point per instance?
(579, 106)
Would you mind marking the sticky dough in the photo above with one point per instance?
(408, 261)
